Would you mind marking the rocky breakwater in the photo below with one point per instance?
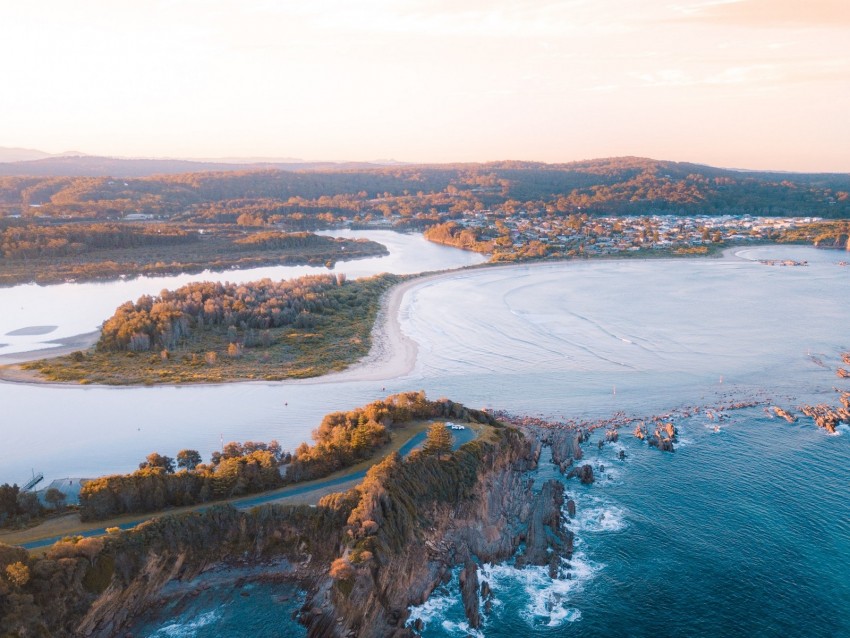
(829, 417)
(417, 519)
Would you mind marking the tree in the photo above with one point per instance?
(188, 459)
(18, 574)
(8, 501)
(155, 459)
(439, 440)
(55, 498)
(28, 504)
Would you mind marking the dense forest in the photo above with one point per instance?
(44, 251)
(170, 319)
(427, 193)
(210, 332)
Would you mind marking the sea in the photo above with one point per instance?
(744, 530)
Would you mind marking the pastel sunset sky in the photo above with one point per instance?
(734, 83)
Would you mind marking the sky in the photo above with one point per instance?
(760, 84)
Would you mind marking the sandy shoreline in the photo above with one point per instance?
(64, 346)
(392, 355)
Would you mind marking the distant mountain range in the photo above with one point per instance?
(110, 188)
(29, 154)
(31, 162)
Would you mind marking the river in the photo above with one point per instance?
(744, 530)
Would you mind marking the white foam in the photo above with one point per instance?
(461, 628)
(432, 609)
(187, 629)
(547, 598)
(595, 515)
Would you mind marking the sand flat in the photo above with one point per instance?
(31, 331)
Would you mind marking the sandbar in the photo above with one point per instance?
(31, 331)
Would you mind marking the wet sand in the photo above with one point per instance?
(62, 347)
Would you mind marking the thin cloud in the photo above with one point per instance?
(769, 13)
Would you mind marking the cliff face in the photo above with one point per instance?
(93, 587)
(416, 520)
(365, 556)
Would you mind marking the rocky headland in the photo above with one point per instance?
(364, 556)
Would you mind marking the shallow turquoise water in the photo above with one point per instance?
(742, 532)
(259, 609)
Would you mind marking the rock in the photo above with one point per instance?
(554, 563)
(485, 589)
(469, 593)
(565, 447)
(784, 414)
(584, 474)
(418, 625)
(546, 533)
(571, 508)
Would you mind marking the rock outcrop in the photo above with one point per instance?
(828, 417)
(469, 593)
(417, 519)
(566, 447)
(663, 437)
(365, 556)
(785, 414)
(584, 474)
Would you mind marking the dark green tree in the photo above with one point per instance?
(188, 459)
(55, 498)
(439, 440)
(155, 459)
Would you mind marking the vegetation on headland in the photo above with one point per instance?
(95, 586)
(824, 234)
(214, 332)
(342, 440)
(51, 253)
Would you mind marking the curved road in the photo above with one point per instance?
(460, 437)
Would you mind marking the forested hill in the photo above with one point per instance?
(428, 193)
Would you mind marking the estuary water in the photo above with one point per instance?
(744, 530)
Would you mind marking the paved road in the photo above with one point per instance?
(460, 437)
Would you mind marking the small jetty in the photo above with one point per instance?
(35, 480)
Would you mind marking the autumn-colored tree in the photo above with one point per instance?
(18, 574)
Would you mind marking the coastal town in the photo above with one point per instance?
(528, 235)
